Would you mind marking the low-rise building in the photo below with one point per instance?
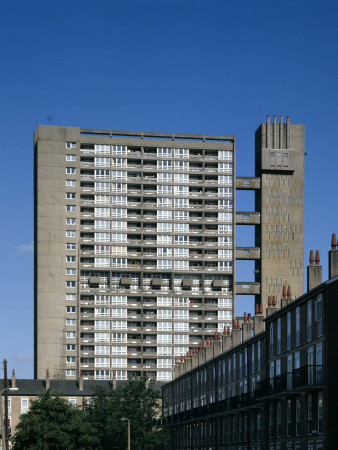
(274, 390)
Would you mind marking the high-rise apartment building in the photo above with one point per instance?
(135, 243)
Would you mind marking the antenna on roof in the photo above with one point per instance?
(49, 119)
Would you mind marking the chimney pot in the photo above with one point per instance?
(256, 308)
(261, 309)
(245, 317)
(269, 301)
(13, 378)
(311, 258)
(274, 301)
(284, 292)
(334, 241)
(228, 331)
(317, 258)
(289, 292)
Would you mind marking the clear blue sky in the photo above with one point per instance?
(191, 66)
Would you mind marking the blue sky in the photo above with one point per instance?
(190, 66)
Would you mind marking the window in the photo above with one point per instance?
(164, 351)
(102, 300)
(181, 152)
(163, 239)
(289, 417)
(70, 259)
(119, 150)
(181, 339)
(164, 326)
(119, 362)
(70, 284)
(164, 314)
(70, 144)
(101, 148)
(70, 208)
(70, 158)
(119, 162)
(163, 214)
(164, 301)
(181, 252)
(101, 224)
(164, 177)
(24, 405)
(181, 215)
(320, 412)
(70, 296)
(164, 363)
(102, 375)
(101, 161)
(118, 225)
(288, 331)
(100, 186)
(70, 170)
(119, 187)
(181, 228)
(102, 325)
(119, 299)
(224, 179)
(164, 202)
(164, 165)
(279, 337)
(119, 312)
(119, 262)
(72, 401)
(119, 324)
(70, 359)
(309, 320)
(309, 413)
(119, 174)
(119, 212)
(119, 200)
(181, 326)
(279, 419)
(181, 165)
(181, 314)
(119, 349)
(70, 233)
(70, 334)
(271, 425)
(163, 189)
(102, 350)
(70, 347)
(70, 373)
(102, 237)
(163, 375)
(101, 337)
(225, 265)
(71, 322)
(181, 202)
(164, 227)
(70, 247)
(297, 326)
(70, 271)
(225, 155)
(298, 412)
(164, 152)
(225, 254)
(70, 309)
(181, 190)
(70, 195)
(181, 240)
(71, 183)
(102, 362)
(102, 212)
(318, 315)
(164, 338)
(225, 217)
(181, 177)
(181, 265)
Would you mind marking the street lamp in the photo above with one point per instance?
(124, 419)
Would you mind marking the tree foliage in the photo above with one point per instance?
(136, 401)
(53, 423)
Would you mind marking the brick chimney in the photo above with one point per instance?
(333, 257)
(314, 271)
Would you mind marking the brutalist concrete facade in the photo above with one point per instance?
(135, 245)
(280, 235)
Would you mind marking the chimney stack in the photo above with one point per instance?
(13, 379)
(81, 381)
(314, 272)
(47, 379)
(333, 257)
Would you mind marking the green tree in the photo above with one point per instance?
(138, 402)
(53, 423)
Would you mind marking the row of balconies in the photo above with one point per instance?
(141, 155)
